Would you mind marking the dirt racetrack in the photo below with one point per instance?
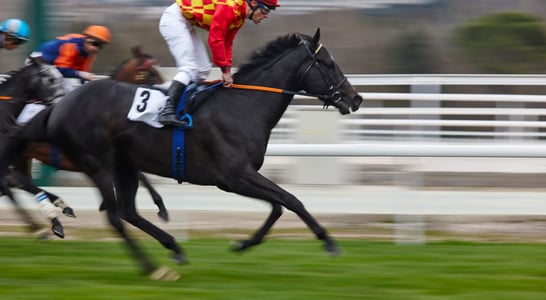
(409, 228)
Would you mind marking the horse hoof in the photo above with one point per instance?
(179, 258)
(163, 215)
(242, 245)
(237, 246)
(57, 228)
(164, 274)
(333, 249)
(69, 212)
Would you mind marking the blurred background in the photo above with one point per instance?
(365, 36)
(435, 71)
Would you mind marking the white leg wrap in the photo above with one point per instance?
(48, 209)
(60, 203)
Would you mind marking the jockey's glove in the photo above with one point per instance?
(86, 75)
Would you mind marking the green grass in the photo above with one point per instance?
(277, 269)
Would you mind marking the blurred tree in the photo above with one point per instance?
(504, 43)
(411, 54)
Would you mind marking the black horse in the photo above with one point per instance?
(225, 147)
(138, 70)
(36, 80)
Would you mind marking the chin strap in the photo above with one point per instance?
(253, 8)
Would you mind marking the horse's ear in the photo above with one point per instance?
(316, 38)
(35, 58)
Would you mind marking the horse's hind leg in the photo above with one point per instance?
(126, 189)
(253, 184)
(162, 213)
(103, 181)
(258, 236)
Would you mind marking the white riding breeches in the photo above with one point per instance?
(186, 47)
(71, 84)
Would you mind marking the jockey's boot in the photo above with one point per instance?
(167, 116)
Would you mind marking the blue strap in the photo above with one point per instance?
(178, 139)
(178, 154)
(55, 158)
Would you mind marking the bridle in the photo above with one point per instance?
(335, 95)
(329, 99)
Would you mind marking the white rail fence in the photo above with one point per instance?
(425, 116)
(449, 115)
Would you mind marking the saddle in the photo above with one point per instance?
(195, 94)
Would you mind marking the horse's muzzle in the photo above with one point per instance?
(343, 107)
(357, 100)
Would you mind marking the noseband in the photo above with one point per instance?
(335, 95)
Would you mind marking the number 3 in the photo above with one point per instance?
(145, 96)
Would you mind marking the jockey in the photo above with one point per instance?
(74, 54)
(13, 33)
(222, 19)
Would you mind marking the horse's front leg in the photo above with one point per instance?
(23, 176)
(40, 232)
(24, 183)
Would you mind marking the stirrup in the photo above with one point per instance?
(186, 118)
(173, 122)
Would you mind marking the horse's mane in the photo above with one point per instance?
(265, 55)
(7, 123)
(8, 77)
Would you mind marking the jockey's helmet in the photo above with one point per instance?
(98, 32)
(271, 4)
(16, 28)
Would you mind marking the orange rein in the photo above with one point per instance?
(256, 88)
(252, 87)
(6, 97)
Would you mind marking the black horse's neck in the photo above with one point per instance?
(15, 84)
(275, 65)
(12, 100)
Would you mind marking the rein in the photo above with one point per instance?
(270, 89)
(277, 90)
(334, 88)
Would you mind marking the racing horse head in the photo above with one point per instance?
(138, 70)
(36, 81)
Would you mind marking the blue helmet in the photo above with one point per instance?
(16, 28)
